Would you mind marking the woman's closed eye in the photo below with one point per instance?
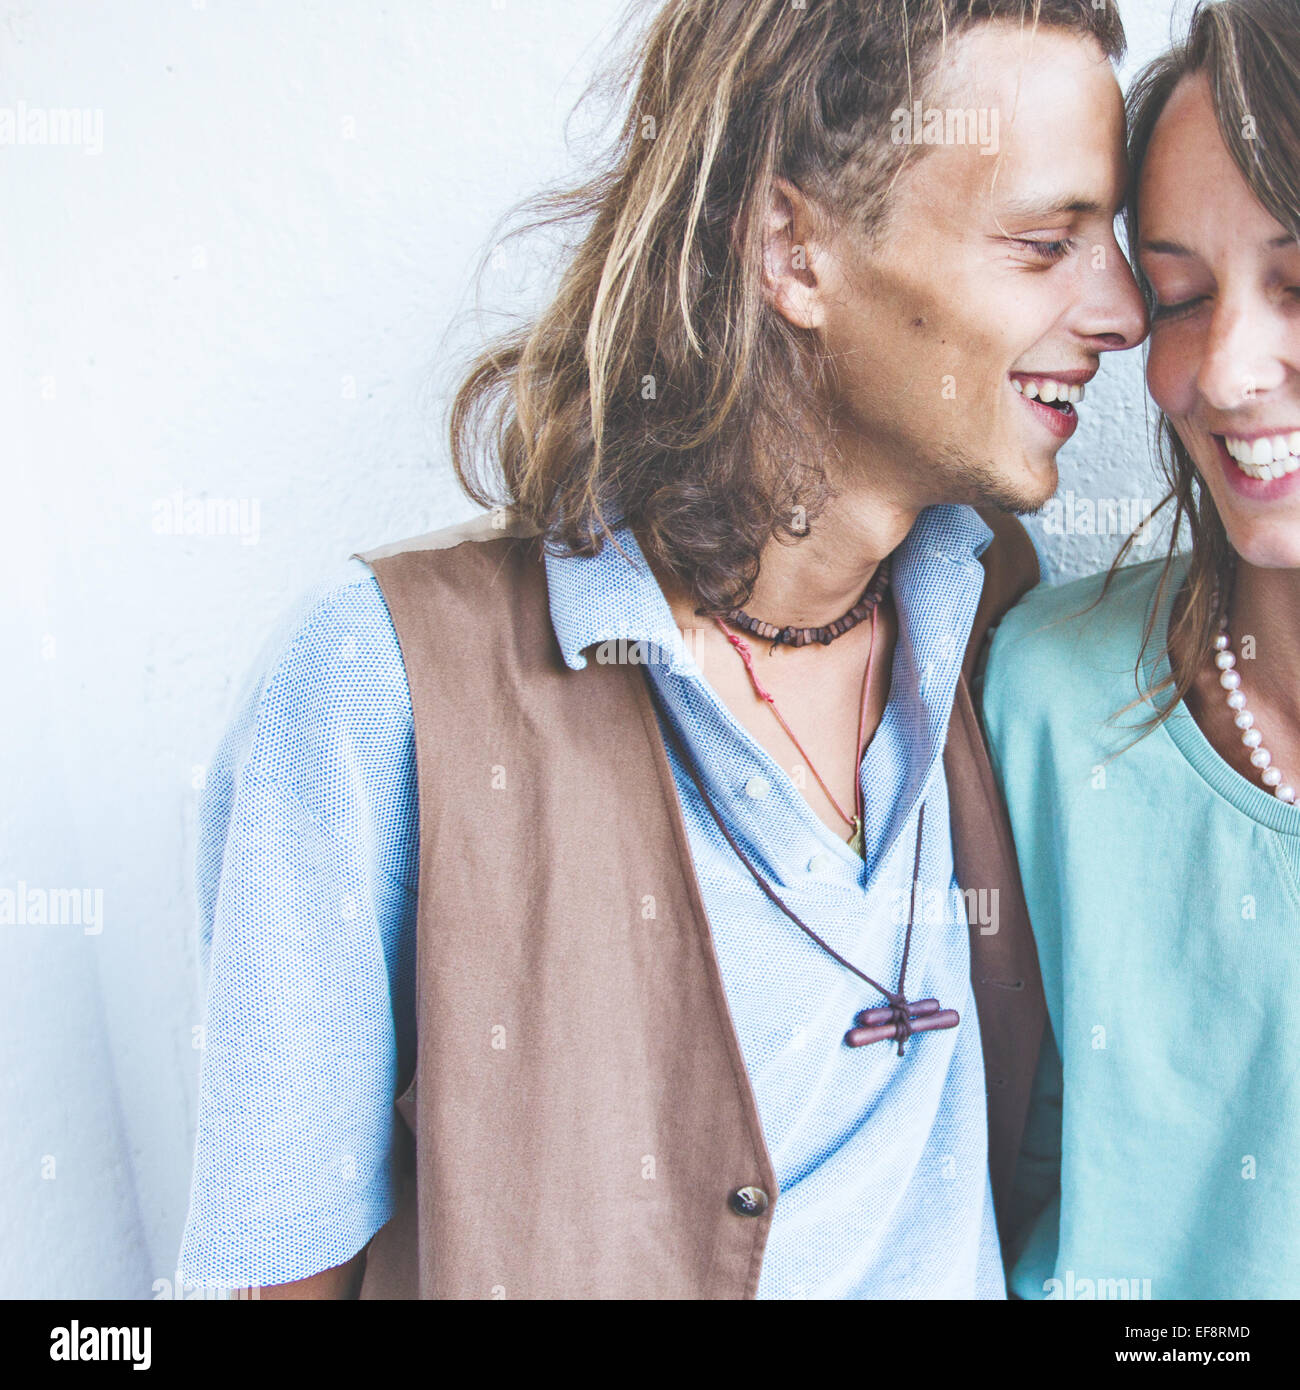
(1164, 313)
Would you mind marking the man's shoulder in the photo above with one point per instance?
(499, 524)
(326, 694)
(1009, 558)
(476, 574)
(331, 660)
(1010, 571)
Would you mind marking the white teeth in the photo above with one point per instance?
(1266, 458)
(1048, 389)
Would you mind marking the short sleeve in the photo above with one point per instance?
(305, 874)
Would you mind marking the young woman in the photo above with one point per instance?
(1146, 729)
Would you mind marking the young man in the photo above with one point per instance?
(669, 972)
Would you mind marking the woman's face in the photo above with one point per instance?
(1224, 356)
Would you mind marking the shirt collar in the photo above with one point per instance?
(958, 533)
(613, 597)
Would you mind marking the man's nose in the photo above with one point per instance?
(1114, 313)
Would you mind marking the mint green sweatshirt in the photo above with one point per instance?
(1162, 1153)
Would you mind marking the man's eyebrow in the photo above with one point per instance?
(1174, 248)
(1052, 207)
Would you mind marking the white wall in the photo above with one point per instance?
(236, 287)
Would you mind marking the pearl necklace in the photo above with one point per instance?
(1230, 680)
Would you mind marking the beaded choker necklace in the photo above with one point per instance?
(805, 636)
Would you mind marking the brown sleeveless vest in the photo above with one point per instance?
(580, 1123)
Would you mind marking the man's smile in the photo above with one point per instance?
(1052, 396)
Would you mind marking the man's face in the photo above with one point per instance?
(995, 283)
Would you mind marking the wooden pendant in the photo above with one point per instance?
(897, 1022)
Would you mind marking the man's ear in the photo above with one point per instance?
(794, 258)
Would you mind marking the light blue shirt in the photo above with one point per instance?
(306, 876)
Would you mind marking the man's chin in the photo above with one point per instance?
(1021, 484)
(1022, 492)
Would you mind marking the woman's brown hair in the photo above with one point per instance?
(1249, 50)
(659, 388)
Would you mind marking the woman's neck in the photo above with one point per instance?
(1266, 609)
(1264, 635)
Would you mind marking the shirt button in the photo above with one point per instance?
(757, 787)
(820, 863)
(749, 1201)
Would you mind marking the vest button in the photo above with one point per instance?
(749, 1201)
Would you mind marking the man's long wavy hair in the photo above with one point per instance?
(659, 388)
(1249, 50)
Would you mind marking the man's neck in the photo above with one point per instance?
(817, 578)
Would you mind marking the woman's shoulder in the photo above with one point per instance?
(1069, 646)
(1054, 614)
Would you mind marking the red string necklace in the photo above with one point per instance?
(854, 822)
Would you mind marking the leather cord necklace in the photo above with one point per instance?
(897, 1020)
